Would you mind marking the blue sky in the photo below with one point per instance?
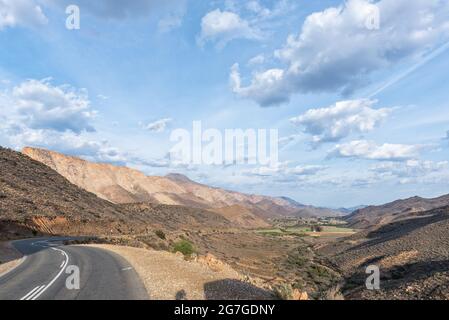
(360, 104)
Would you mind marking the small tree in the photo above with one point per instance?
(185, 247)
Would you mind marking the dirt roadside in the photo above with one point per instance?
(167, 276)
(9, 257)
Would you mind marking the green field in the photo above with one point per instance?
(306, 231)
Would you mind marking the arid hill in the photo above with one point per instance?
(241, 216)
(34, 199)
(412, 254)
(124, 185)
(395, 211)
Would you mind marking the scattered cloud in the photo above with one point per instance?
(255, 7)
(410, 168)
(362, 149)
(221, 27)
(102, 97)
(337, 50)
(159, 125)
(24, 13)
(306, 170)
(258, 12)
(41, 105)
(340, 120)
(266, 88)
(283, 171)
(40, 114)
(121, 9)
(259, 59)
(447, 136)
(283, 141)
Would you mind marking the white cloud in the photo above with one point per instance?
(41, 105)
(306, 170)
(259, 59)
(267, 88)
(410, 168)
(341, 120)
(284, 171)
(335, 51)
(221, 27)
(255, 7)
(159, 125)
(369, 150)
(102, 97)
(36, 113)
(21, 13)
(283, 141)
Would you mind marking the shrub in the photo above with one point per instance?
(333, 293)
(184, 246)
(160, 234)
(284, 291)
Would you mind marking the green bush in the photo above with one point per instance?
(283, 291)
(160, 234)
(184, 246)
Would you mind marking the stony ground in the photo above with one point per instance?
(413, 257)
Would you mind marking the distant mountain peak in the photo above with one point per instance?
(292, 202)
(179, 177)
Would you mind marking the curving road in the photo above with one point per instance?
(42, 274)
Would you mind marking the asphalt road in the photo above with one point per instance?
(43, 274)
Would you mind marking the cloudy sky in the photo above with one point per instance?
(358, 89)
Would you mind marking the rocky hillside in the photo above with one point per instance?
(34, 199)
(413, 257)
(395, 211)
(125, 185)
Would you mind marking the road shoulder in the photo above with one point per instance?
(167, 276)
(10, 258)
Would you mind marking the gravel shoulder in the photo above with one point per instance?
(9, 257)
(167, 276)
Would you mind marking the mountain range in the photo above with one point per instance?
(373, 216)
(122, 185)
(36, 200)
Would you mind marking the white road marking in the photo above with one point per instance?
(30, 293)
(38, 291)
(66, 262)
(35, 293)
(126, 269)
